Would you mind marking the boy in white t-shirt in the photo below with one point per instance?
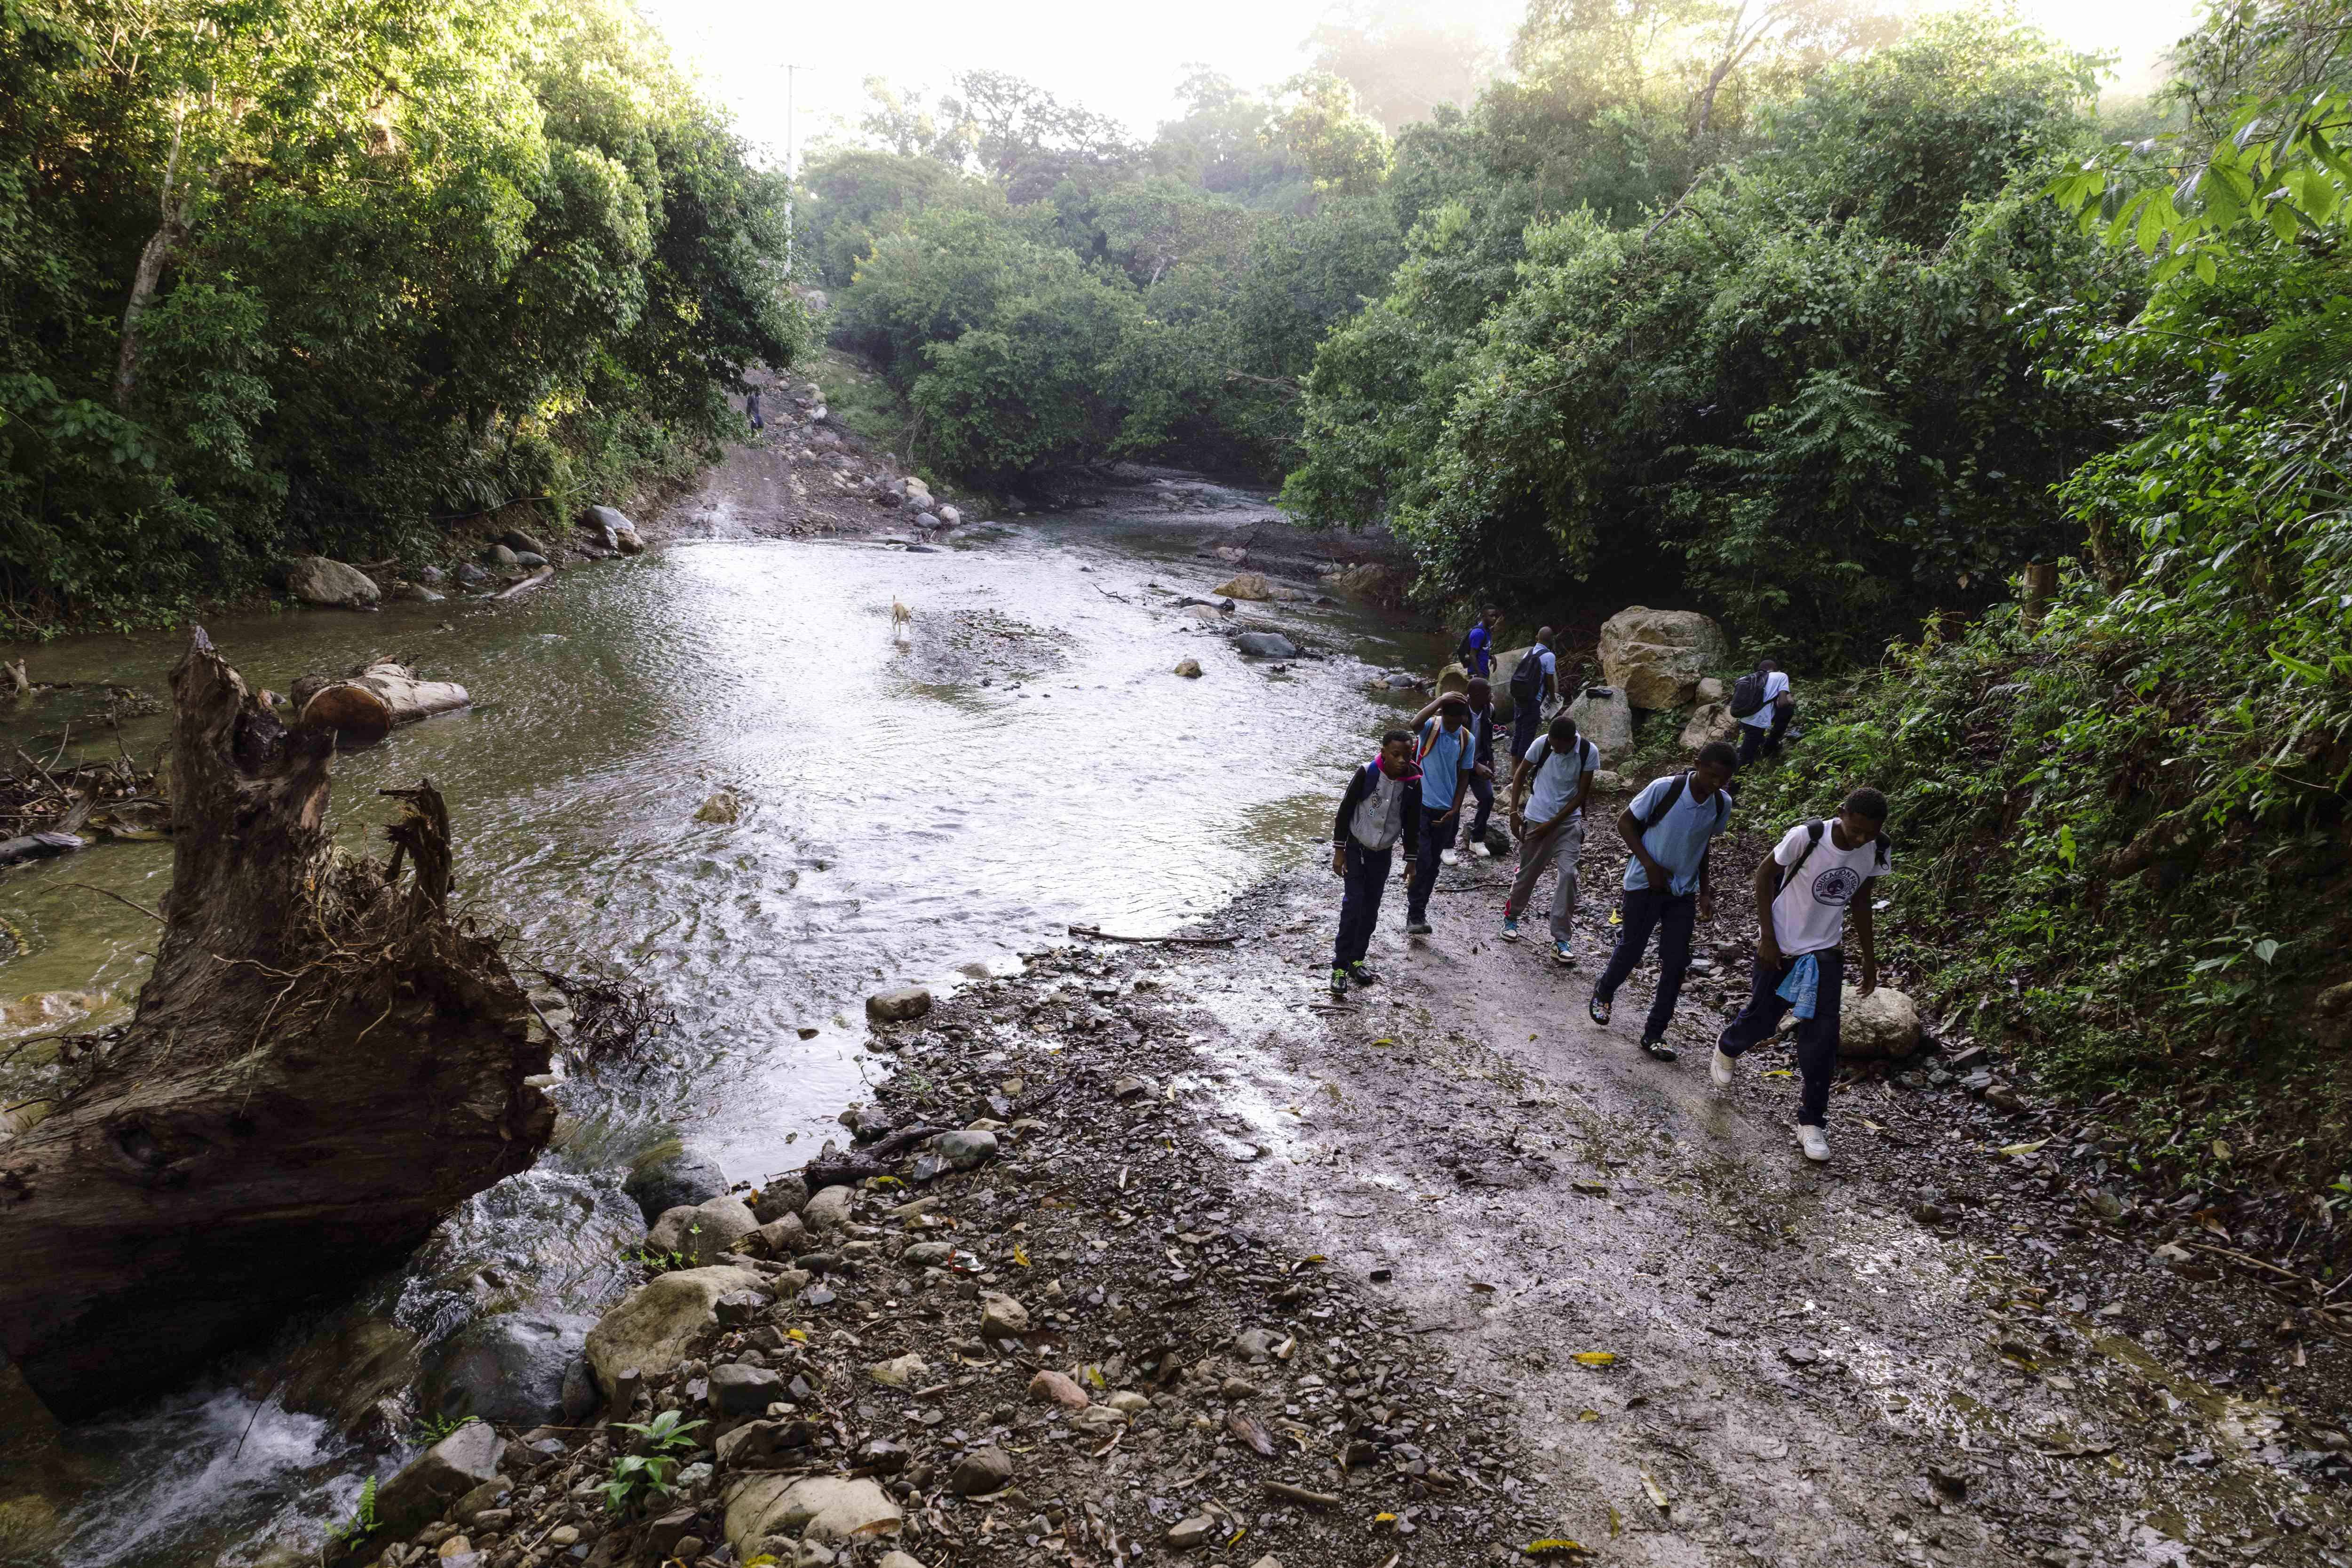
(1816, 873)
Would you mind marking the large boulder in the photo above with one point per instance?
(1266, 645)
(1658, 656)
(703, 1231)
(669, 1175)
(438, 1477)
(507, 1368)
(1884, 1024)
(315, 580)
(808, 1508)
(1246, 585)
(1604, 718)
(614, 529)
(651, 1329)
(1709, 721)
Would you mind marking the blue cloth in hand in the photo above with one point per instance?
(1803, 985)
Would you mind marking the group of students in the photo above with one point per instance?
(1411, 796)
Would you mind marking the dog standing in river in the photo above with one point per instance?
(902, 621)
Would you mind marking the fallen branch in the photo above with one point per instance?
(119, 899)
(526, 586)
(1094, 935)
(880, 1160)
(1289, 1493)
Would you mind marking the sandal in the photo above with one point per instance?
(1598, 1011)
(1659, 1051)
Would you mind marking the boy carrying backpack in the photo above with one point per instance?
(1533, 679)
(1553, 781)
(1804, 889)
(1762, 702)
(1668, 826)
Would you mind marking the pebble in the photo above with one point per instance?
(981, 1471)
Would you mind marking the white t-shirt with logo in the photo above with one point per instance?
(1776, 684)
(1809, 913)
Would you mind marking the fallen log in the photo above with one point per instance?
(372, 701)
(881, 1160)
(321, 1065)
(535, 580)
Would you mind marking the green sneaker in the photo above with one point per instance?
(1339, 983)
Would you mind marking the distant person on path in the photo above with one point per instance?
(1478, 650)
(1446, 757)
(1668, 826)
(1382, 805)
(1762, 703)
(1481, 697)
(751, 408)
(1803, 889)
(1536, 678)
(1552, 782)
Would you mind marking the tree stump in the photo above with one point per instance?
(321, 1065)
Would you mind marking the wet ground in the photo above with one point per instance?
(1801, 1371)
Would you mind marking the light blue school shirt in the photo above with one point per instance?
(1680, 838)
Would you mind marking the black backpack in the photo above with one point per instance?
(1748, 694)
(1813, 831)
(1527, 678)
(1674, 793)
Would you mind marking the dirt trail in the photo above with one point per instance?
(1803, 1372)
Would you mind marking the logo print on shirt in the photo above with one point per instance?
(1836, 886)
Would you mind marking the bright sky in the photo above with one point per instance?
(1124, 60)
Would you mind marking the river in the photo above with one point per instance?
(913, 808)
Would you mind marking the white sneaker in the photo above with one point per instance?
(1719, 1068)
(1448, 857)
(1817, 1147)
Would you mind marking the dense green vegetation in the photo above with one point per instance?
(283, 275)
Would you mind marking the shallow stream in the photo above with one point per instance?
(914, 807)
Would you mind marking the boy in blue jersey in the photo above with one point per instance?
(1668, 826)
(1448, 752)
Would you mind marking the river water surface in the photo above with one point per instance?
(913, 808)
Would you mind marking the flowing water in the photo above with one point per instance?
(914, 807)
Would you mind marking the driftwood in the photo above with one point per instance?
(322, 1064)
(371, 702)
(535, 580)
(878, 1160)
(1093, 934)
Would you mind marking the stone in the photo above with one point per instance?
(661, 1537)
(1127, 1087)
(737, 1308)
(1657, 658)
(507, 1367)
(1129, 1400)
(899, 1372)
(1051, 1388)
(500, 556)
(981, 1471)
(471, 575)
(811, 1507)
(1234, 1389)
(1193, 1533)
(1189, 668)
(897, 1007)
(1709, 721)
(739, 1390)
(761, 1442)
(950, 517)
(779, 1239)
(1712, 691)
(416, 593)
(1249, 585)
(1605, 718)
(530, 560)
(927, 1255)
(704, 1231)
(671, 1176)
(721, 807)
(1002, 1317)
(458, 1546)
(778, 1197)
(431, 577)
(516, 539)
(315, 580)
(466, 1458)
(1266, 644)
(828, 1210)
(579, 1399)
(1882, 1025)
(899, 1560)
(614, 529)
(1255, 1344)
(650, 1329)
(1100, 1418)
(1609, 781)
(966, 1150)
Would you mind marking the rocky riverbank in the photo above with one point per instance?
(1058, 1333)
